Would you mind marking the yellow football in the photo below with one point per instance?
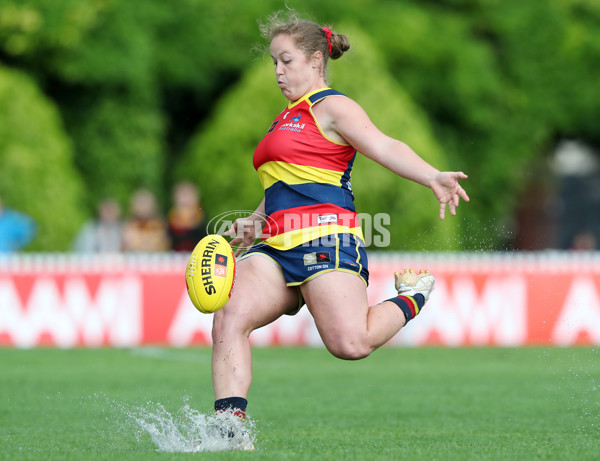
(210, 274)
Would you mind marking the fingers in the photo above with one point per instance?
(241, 243)
(231, 231)
(460, 175)
(463, 194)
(233, 242)
(238, 241)
(239, 250)
(452, 205)
(449, 192)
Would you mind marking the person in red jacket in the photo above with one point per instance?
(186, 217)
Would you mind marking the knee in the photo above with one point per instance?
(349, 350)
(228, 326)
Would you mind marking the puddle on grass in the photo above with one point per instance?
(583, 388)
(187, 430)
(579, 386)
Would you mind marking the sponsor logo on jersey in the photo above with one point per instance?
(297, 127)
(293, 125)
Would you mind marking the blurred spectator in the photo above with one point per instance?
(104, 233)
(186, 218)
(16, 229)
(584, 241)
(577, 166)
(146, 229)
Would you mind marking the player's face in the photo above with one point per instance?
(296, 74)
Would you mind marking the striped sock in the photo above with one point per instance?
(235, 405)
(409, 305)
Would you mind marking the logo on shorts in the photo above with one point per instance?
(327, 219)
(323, 257)
(349, 263)
(316, 258)
(310, 258)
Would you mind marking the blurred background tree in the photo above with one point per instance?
(37, 175)
(144, 96)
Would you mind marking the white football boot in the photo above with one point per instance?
(409, 284)
(226, 431)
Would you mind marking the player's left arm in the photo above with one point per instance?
(350, 121)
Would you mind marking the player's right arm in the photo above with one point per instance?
(246, 230)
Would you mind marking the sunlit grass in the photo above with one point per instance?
(400, 403)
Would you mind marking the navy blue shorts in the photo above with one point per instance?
(341, 252)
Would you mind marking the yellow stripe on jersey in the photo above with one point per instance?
(271, 172)
(297, 237)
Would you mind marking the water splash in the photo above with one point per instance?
(189, 431)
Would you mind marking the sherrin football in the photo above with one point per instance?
(210, 273)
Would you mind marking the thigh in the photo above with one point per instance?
(338, 302)
(259, 297)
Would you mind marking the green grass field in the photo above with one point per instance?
(400, 403)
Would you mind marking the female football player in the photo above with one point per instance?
(312, 250)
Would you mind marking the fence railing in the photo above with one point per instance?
(130, 300)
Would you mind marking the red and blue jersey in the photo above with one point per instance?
(306, 178)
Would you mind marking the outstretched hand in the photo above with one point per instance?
(244, 231)
(448, 192)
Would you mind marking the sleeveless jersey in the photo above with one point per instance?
(306, 178)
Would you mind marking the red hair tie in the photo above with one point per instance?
(328, 35)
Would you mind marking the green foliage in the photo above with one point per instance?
(120, 144)
(496, 83)
(413, 209)
(202, 41)
(37, 175)
(110, 63)
(31, 29)
(219, 158)
(116, 50)
(498, 87)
